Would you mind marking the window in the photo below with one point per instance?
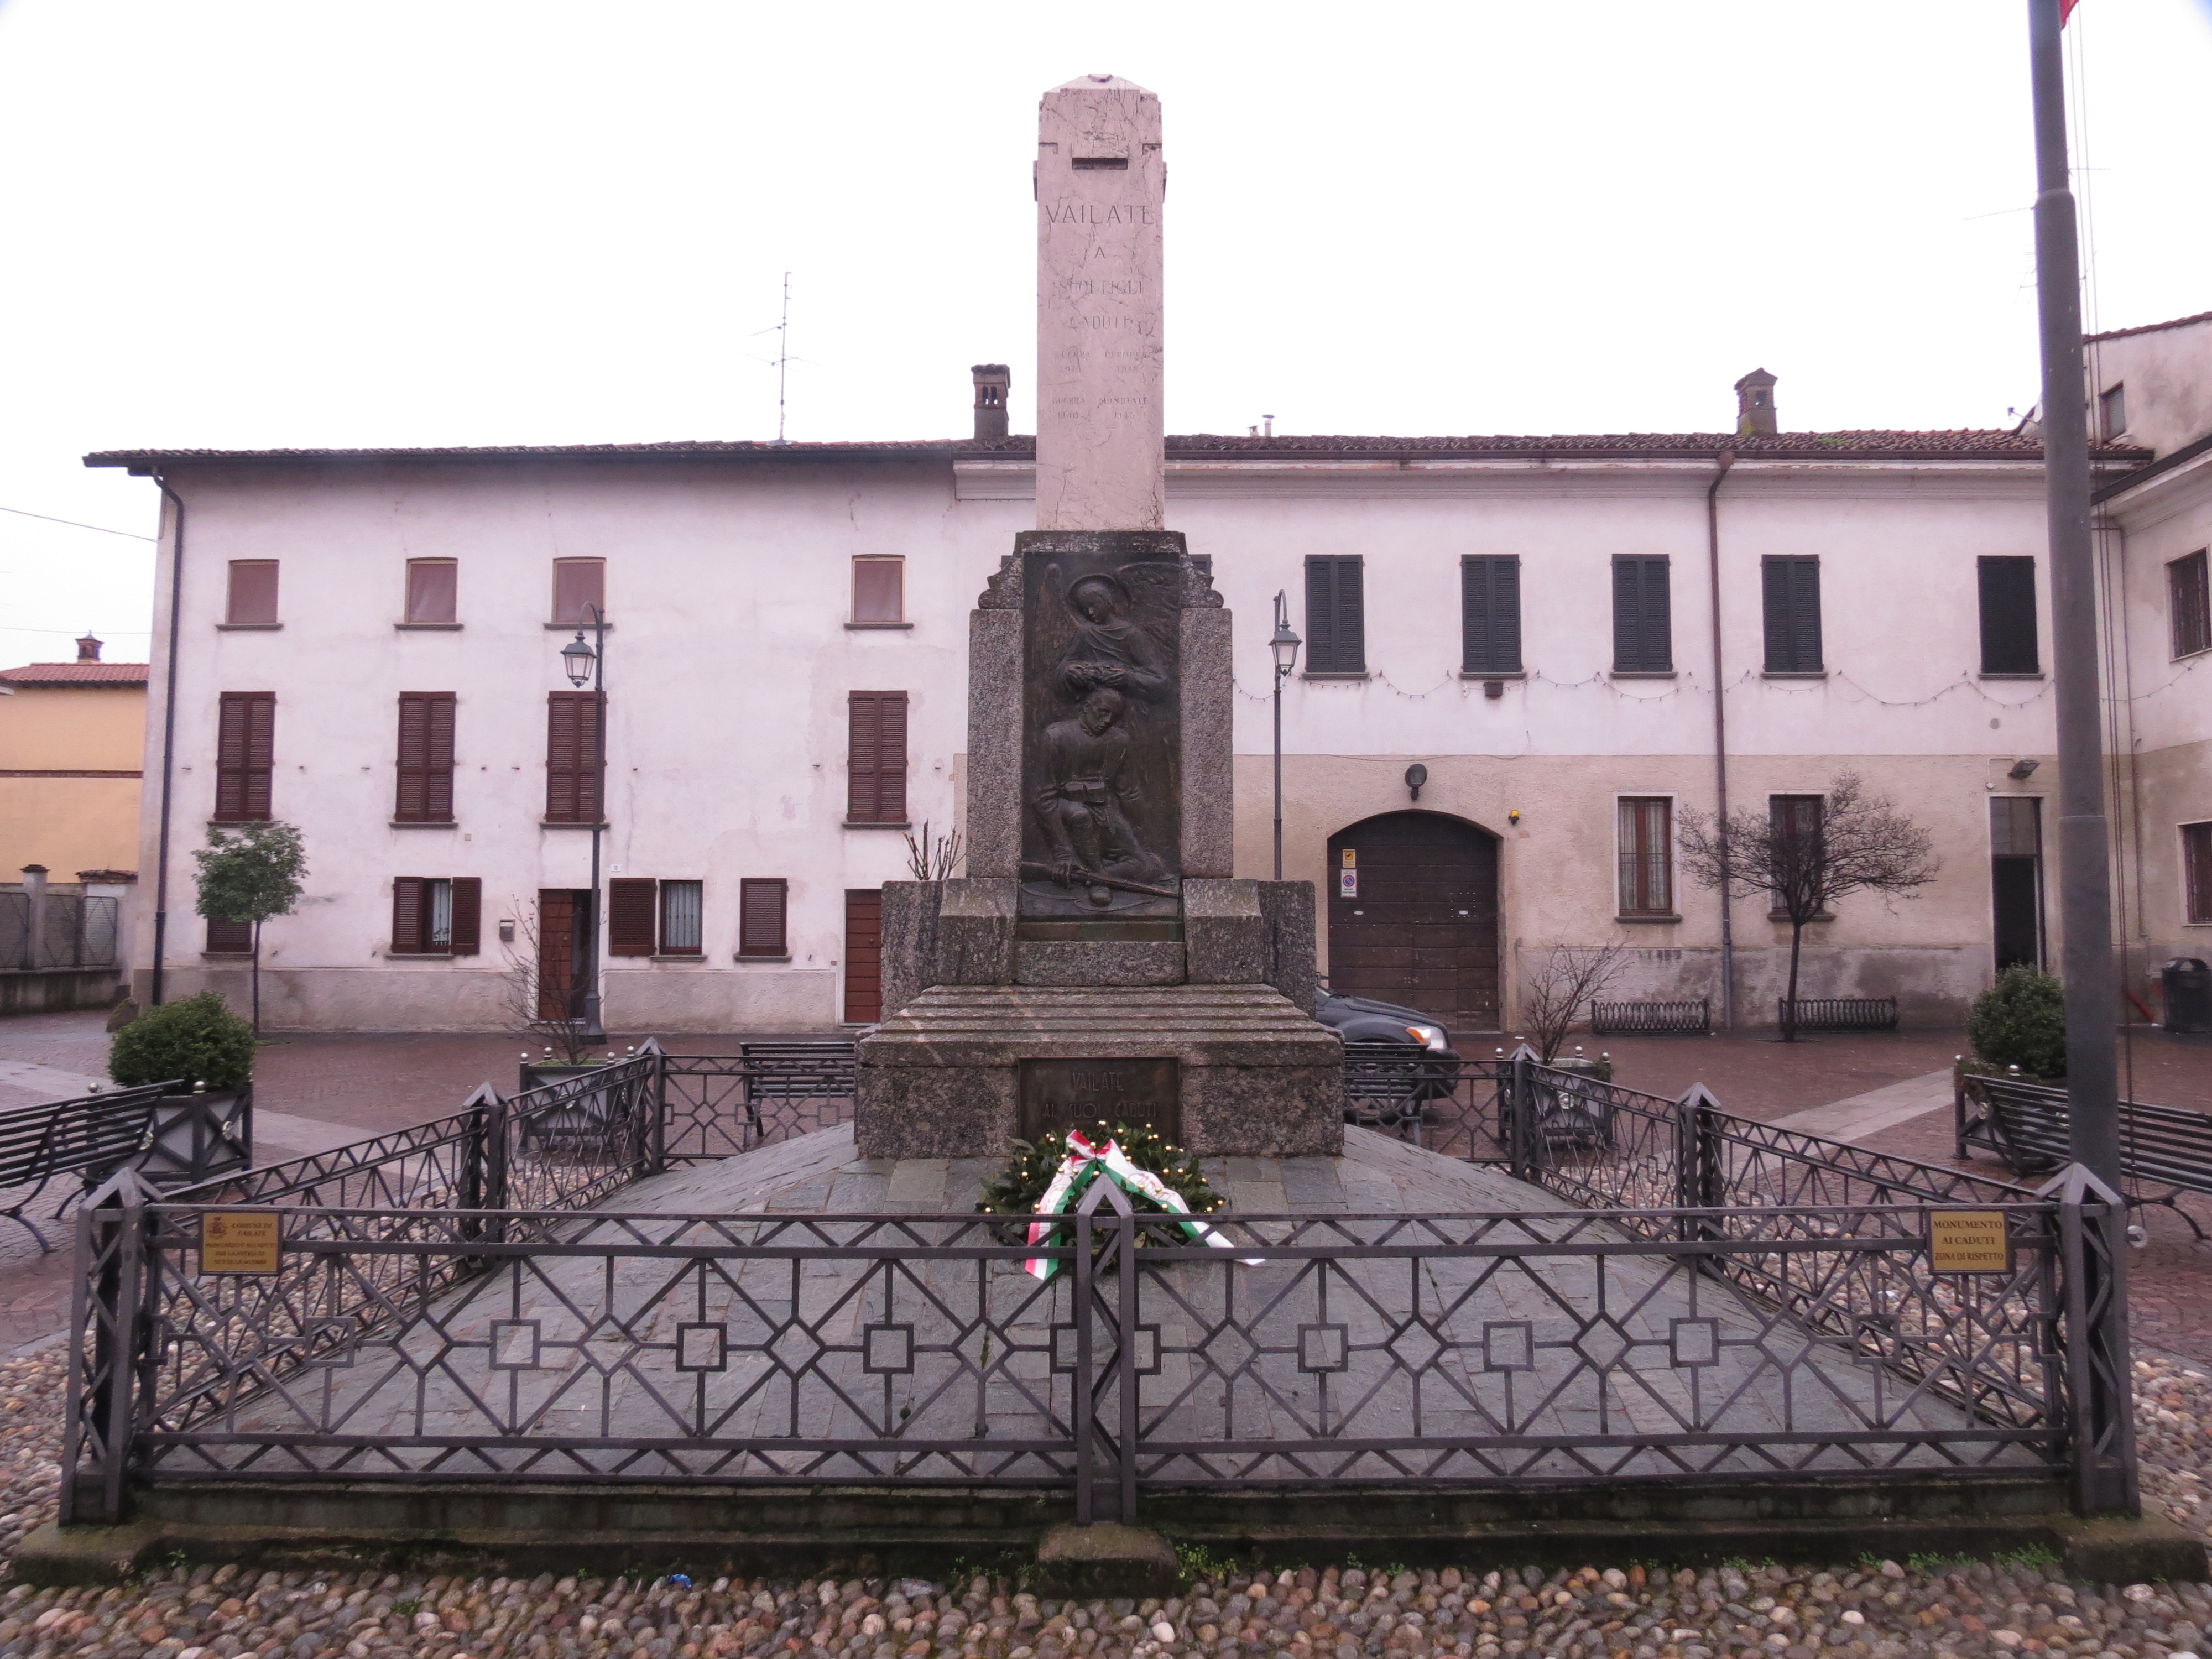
(252, 593)
(683, 918)
(577, 583)
(1490, 615)
(432, 585)
(646, 917)
(1647, 826)
(2112, 411)
(1793, 614)
(572, 777)
(426, 758)
(1336, 616)
(2196, 864)
(436, 916)
(2016, 879)
(2188, 597)
(1642, 623)
(761, 905)
(2007, 600)
(246, 740)
(1796, 821)
(879, 592)
(875, 763)
(229, 939)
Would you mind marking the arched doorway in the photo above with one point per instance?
(1412, 917)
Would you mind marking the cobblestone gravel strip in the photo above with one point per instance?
(1886, 1610)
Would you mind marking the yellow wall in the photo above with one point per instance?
(71, 824)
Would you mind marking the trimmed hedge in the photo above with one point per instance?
(198, 1040)
(2021, 1021)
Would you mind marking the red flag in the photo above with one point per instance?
(2066, 10)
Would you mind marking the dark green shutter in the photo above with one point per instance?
(1792, 603)
(1490, 614)
(1642, 621)
(2007, 604)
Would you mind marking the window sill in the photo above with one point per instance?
(1648, 915)
(427, 628)
(860, 824)
(231, 823)
(743, 956)
(677, 956)
(1493, 674)
(863, 627)
(571, 824)
(425, 823)
(226, 955)
(1336, 674)
(2191, 656)
(1793, 674)
(1641, 674)
(570, 628)
(418, 956)
(2009, 676)
(1783, 916)
(247, 628)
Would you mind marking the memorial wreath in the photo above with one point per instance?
(1049, 1176)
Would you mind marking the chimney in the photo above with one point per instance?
(87, 649)
(991, 380)
(1754, 405)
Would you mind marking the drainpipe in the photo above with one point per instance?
(169, 739)
(1723, 462)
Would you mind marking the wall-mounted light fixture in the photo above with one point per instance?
(1513, 817)
(1416, 775)
(2023, 770)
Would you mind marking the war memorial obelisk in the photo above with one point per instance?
(1099, 960)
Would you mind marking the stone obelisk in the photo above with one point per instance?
(1101, 183)
(1098, 962)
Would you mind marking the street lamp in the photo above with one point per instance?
(1284, 645)
(582, 662)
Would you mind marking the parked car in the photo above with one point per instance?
(1396, 1057)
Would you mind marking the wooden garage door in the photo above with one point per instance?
(1420, 926)
(864, 955)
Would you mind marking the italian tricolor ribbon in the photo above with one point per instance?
(1085, 1162)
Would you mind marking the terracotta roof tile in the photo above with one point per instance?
(1992, 444)
(2152, 328)
(76, 673)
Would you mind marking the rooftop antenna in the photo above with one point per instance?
(782, 358)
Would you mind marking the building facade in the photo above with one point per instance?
(1524, 661)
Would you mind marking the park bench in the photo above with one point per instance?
(1693, 1017)
(826, 1068)
(88, 1139)
(1383, 1087)
(1839, 1013)
(2026, 1127)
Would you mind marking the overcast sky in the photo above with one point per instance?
(467, 222)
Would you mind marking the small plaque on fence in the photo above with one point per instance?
(1968, 1242)
(238, 1242)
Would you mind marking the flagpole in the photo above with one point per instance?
(2093, 1002)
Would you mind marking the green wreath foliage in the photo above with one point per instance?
(1018, 1186)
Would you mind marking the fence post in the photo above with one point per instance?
(2100, 1396)
(1105, 1194)
(1521, 1140)
(480, 1107)
(110, 1296)
(657, 1156)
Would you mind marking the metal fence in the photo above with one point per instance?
(57, 930)
(1693, 1016)
(1726, 1301)
(1839, 1014)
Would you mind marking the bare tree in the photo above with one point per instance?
(523, 998)
(1572, 976)
(1805, 852)
(932, 857)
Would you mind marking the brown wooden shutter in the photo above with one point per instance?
(2007, 588)
(875, 766)
(630, 917)
(245, 742)
(1790, 591)
(253, 590)
(425, 758)
(879, 590)
(577, 583)
(2188, 597)
(572, 781)
(229, 938)
(1643, 619)
(407, 914)
(468, 915)
(431, 584)
(761, 910)
(1490, 614)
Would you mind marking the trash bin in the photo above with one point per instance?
(2188, 985)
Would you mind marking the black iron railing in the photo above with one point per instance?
(1839, 1014)
(1693, 1016)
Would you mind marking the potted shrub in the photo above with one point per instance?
(207, 1127)
(2020, 1021)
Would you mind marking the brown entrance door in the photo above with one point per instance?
(563, 917)
(864, 955)
(1417, 923)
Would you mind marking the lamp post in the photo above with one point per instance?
(582, 661)
(1284, 646)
